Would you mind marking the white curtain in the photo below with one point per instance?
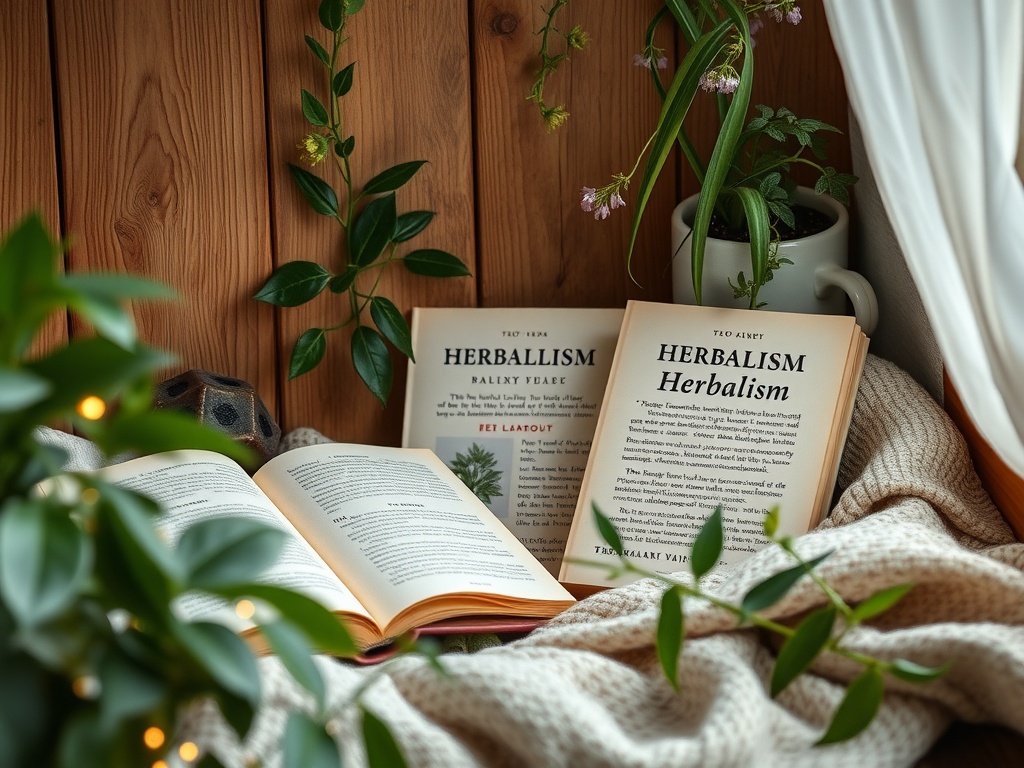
(936, 86)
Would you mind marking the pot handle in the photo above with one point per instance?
(829, 276)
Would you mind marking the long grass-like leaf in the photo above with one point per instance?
(677, 104)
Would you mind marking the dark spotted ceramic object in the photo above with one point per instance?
(224, 403)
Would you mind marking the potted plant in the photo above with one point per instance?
(747, 192)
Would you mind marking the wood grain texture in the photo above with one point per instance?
(537, 248)
(28, 161)
(410, 101)
(162, 129)
(1004, 485)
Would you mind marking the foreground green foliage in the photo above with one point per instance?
(821, 631)
(373, 228)
(95, 662)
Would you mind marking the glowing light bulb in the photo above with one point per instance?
(245, 609)
(188, 751)
(91, 408)
(153, 737)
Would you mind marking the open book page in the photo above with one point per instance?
(196, 485)
(401, 529)
(711, 406)
(509, 398)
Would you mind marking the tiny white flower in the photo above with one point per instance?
(794, 16)
(602, 212)
(663, 62)
(616, 201)
(639, 60)
(588, 196)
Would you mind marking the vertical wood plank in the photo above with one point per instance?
(163, 136)
(536, 246)
(28, 164)
(410, 101)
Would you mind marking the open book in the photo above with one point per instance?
(707, 407)
(387, 538)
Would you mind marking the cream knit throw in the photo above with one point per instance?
(587, 689)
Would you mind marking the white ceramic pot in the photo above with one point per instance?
(817, 282)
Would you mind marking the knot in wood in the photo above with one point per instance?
(504, 24)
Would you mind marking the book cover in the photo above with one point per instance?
(509, 399)
(707, 407)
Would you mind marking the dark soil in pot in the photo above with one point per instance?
(809, 221)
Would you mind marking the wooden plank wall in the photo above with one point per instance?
(156, 136)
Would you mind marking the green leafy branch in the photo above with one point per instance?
(574, 39)
(477, 469)
(821, 631)
(372, 225)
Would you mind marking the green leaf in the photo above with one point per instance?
(774, 588)
(392, 178)
(28, 257)
(707, 547)
(129, 689)
(857, 709)
(319, 50)
(166, 430)
(108, 317)
(669, 638)
(227, 550)
(44, 559)
(25, 700)
(130, 549)
(116, 286)
(771, 522)
(341, 283)
(317, 191)
(390, 322)
(410, 224)
(314, 111)
(332, 14)
(434, 263)
(917, 673)
(698, 59)
(238, 712)
(84, 743)
(324, 630)
(344, 148)
(880, 602)
(802, 647)
(372, 230)
(372, 362)
(20, 388)
(307, 745)
(224, 655)
(307, 353)
(353, 6)
(290, 647)
(382, 750)
(293, 284)
(607, 530)
(342, 82)
(756, 212)
(91, 366)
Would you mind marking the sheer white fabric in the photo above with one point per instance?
(936, 86)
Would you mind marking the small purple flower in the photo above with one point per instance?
(639, 60)
(794, 16)
(708, 82)
(755, 25)
(772, 11)
(602, 212)
(588, 196)
(728, 84)
(616, 201)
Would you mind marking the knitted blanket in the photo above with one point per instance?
(587, 689)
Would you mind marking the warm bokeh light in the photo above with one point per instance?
(188, 751)
(160, 764)
(245, 609)
(92, 408)
(86, 687)
(153, 737)
(90, 496)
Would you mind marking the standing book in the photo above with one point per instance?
(708, 407)
(387, 538)
(509, 399)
